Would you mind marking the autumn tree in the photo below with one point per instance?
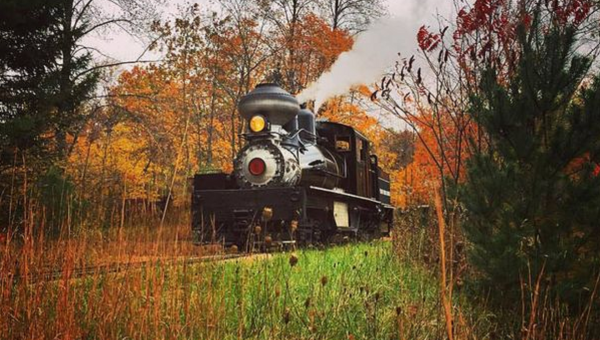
(77, 73)
(171, 120)
(285, 16)
(49, 81)
(318, 46)
(352, 16)
(430, 91)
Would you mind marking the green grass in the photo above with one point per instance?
(358, 291)
(355, 291)
(352, 292)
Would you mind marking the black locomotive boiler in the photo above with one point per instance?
(297, 180)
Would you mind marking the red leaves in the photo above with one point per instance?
(486, 33)
(477, 17)
(579, 164)
(571, 11)
(427, 40)
(527, 20)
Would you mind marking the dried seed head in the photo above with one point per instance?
(234, 248)
(277, 292)
(293, 225)
(413, 310)
(268, 241)
(307, 303)
(293, 260)
(286, 316)
(257, 229)
(267, 213)
(398, 311)
(323, 280)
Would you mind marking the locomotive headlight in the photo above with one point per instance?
(257, 167)
(257, 123)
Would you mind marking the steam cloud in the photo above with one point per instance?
(374, 50)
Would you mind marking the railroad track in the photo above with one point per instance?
(115, 268)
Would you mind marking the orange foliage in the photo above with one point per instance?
(340, 111)
(316, 47)
(441, 151)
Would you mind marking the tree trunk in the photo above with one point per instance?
(65, 84)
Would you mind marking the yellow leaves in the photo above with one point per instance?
(364, 90)
(117, 158)
(340, 111)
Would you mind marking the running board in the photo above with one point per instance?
(345, 194)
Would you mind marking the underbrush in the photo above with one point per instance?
(378, 290)
(361, 291)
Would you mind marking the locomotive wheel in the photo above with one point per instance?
(321, 235)
(371, 232)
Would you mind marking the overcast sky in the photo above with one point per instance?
(120, 46)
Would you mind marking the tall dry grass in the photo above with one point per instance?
(67, 286)
(412, 289)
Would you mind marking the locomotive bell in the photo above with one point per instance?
(270, 101)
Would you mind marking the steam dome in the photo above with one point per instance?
(271, 101)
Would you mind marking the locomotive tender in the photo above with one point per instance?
(297, 180)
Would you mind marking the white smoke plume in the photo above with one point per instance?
(373, 52)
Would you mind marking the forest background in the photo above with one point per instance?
(125, 144)
(491, 127)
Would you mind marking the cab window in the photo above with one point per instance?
(361, 150)
(342, 143)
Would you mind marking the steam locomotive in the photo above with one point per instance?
(296, 181)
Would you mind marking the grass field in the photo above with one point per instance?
(359, 291)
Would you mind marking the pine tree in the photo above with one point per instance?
(45, 77)
(532, 195)
(28, 53)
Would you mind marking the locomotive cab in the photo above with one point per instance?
(296, 180)
(364, 176)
